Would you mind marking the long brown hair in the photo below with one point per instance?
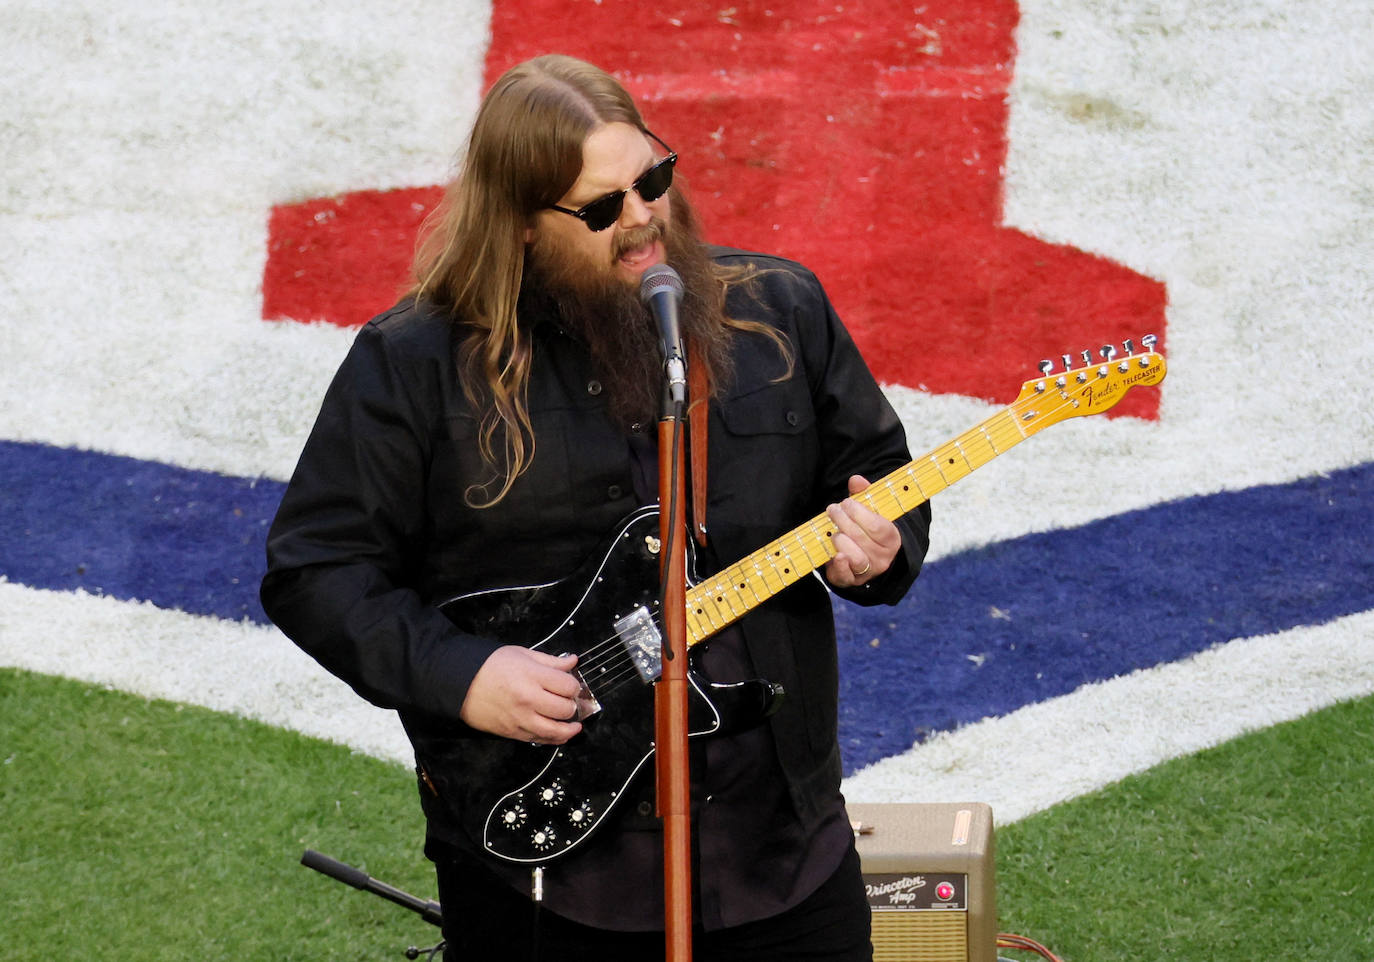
(524, 154)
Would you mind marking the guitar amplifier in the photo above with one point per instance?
(928, 869)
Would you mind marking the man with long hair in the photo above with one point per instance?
(485, 438)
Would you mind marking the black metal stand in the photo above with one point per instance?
(430, 911)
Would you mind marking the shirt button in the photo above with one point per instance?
(645, 808)
(792, 418)
(614, 492)
(593, 388)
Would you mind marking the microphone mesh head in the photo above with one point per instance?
(657, 280)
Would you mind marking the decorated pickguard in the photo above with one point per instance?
(531, 803)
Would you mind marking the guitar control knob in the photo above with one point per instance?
(581, 815)
(544, 839)
(514, 817)
(553, 793)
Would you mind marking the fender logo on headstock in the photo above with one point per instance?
(1101, 396)
(1092, 388)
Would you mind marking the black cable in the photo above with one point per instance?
(672, 533)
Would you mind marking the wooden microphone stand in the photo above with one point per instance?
(671, 693)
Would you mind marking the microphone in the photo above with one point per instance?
(660, 289)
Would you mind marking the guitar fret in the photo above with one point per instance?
(948, 466)
(991, 443)
(1017, 423)
(708, 605)
(976, 450)
(821, 540)
(929, 479)
(962, 453)
(961, 459)
(914, 481)
(763, 568)
(885, 499)
(758, 575)
(739, 582)
(777, 559)
(708, 608)
(696, 631)
(725, 595)
(793, 571)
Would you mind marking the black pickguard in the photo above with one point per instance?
(532, 803)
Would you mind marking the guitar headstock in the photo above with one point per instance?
(1092, 387)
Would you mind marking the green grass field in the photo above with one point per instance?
(140, 830)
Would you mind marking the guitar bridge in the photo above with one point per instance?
(639, 635)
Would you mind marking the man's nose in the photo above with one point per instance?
(635, 212)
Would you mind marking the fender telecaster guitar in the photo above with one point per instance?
(531, 803)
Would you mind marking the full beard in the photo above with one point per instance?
(603, 310)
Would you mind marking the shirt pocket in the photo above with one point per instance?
(575, 488)
(763, 459)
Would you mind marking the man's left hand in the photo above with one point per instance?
(865, 541)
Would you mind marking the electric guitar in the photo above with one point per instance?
(532, 803)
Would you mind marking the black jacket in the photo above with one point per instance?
(373, 530)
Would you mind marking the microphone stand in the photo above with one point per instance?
(671, 692)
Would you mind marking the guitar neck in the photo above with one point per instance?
(732, 593)
(735, 591)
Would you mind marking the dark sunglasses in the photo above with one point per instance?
(651, 185)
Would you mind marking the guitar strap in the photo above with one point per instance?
(698, 413)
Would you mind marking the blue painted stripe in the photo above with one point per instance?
(989, 631)
(1043, 613)
(134, 530)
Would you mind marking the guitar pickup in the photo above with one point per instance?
(644, 645)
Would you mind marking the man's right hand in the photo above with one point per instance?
(526, 695)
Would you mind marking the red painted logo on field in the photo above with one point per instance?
(863, 139)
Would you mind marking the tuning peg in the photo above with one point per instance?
(1108, 352)
(1087, 357)
(1068, 361)
(1046, 366)
(1129, 345)
(1148, 342)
